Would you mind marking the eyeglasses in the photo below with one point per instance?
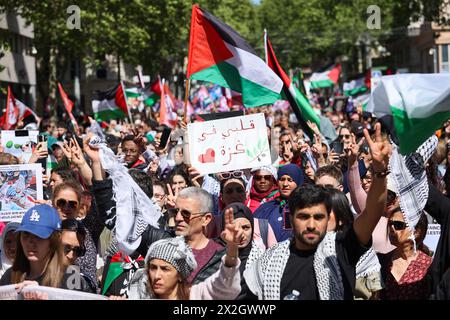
(398, 225)
(63, 203)
(344, 136)
(233, 174)
(265, 177)
(158, 196)
(184, 213)
(78, 251)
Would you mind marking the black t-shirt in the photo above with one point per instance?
(299, 275)
(299, 272)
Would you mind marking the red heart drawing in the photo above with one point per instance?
(208, 156)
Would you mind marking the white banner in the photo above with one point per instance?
(20, 187)
(229, 144)
(9, 293)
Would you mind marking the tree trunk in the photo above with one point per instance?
(52, 79)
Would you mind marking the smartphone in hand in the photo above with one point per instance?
(165, 137)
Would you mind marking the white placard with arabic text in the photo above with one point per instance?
(229, 144)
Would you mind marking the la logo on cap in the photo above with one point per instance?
(35, 216)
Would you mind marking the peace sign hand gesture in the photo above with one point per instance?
(380, 149)
(232, 235)
(353, 149)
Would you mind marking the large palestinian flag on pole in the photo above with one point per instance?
(110, 104)
(218, 54)
(418, 103)
(299, 103)
(326, 78)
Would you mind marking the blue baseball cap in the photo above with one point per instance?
(40, 220)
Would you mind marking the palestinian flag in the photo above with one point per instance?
(218, 54)
(110, 104)
(167, 115)
(299, 103)
(326, 78)
(355, 87)
(16, 111)
(418, 103)
(362, 100)
(68, 104)
(152, 94)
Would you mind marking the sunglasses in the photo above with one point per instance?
(345, 136)
(233, 174)
(184, 213)
(265, 177)
(398, 225)
(63, 203)
(78, 251)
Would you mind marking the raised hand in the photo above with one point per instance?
(67, 151)
(77, 153)
(171, 197)
(195, 176)
(313, 127)
(380, 149)
(92, 153)
(231, 234)
(353, 150)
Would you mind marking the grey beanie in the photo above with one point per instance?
(176, 252)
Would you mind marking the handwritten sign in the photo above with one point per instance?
(229, 144)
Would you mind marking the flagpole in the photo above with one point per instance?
(265, 45)
(126, 102)
(186, 97)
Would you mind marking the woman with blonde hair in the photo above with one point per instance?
(39, 255)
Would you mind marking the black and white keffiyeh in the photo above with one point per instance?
(410, 180)
(134, 210)
(264, 276)
(367, 264)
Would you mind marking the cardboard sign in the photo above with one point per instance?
(19, 143)
(229, 144)
(20, 186)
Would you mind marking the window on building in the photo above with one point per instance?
(444, 64)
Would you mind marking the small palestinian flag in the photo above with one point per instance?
(355, 87)
(328, 77)
(418, 103)
(218, 54)
(299, 103)
(110, 104)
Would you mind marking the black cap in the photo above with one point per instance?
(357, 128)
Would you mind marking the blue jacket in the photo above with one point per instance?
(277, 215)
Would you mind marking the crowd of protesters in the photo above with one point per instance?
(323, 221)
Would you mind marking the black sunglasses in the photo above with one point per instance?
(398, 225)
(184, 213)
(265, 177)
(345, 136)
(63, 203)
(77, 250)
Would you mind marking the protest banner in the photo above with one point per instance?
(229, 144)
(9, 293)
(19, 143)
(20, 187)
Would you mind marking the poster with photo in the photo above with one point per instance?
(20, 187)
(19, 143)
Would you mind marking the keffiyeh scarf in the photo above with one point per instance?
(410, 180)
(134, 210)
(264, 276)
